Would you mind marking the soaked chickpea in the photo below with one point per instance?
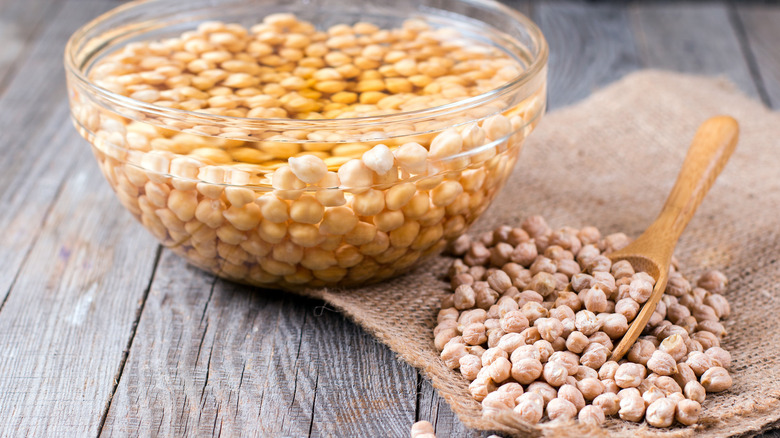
(293, 204)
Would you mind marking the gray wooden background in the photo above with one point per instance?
(102, 332)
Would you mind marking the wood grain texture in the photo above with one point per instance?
(70, 314)
(39, 146)
(691, 38)
(591, 45)
(20, 23)
(206, 356)
(361, 387)
(211, 357)
(432, 408)
(761, 25)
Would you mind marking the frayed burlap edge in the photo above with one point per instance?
(609, 161)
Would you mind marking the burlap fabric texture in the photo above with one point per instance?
(610, 161)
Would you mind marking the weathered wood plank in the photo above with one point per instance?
(206, 356)
(761, 25)
(72, 287)
(431, 407)
(691, 38)
(70, 313)
(20, 23)
(214, 357)
(361, 389)
(39, 146)
(591, 45)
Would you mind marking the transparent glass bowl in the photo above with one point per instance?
(181, 174)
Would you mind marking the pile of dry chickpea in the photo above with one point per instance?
(258, 203)
(535, 314)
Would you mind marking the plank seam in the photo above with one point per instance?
(417, 397)
(314, 399)
(747, 52)
(126, 352)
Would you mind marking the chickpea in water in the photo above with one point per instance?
(259, 199)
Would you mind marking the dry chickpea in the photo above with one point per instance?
(595, 355)
(614, 325)
(610, 386)
(549, 328)
(491, 354)
(497, 400)
(688, 412)
(465, 297)
(524, 254)
(667, 384)
(695, 391)
(514, 322)
(713, 281)
(675, 346)
(533, 311)
(632, 408)
(660, 413)
(530, 407)
(422, 428)
(561, 409)
(706, 339)
(591, 415)
(590, 388)
(481, 387)
(662, 363)
(500, 369)
(640, 290)
(630, 375)
(452, 353)
(470, 365)
(699, 362)
(684, 374)
(526, 352)
(719, 357)
(652, 394)
(628, 308)
(608, 370)
(555, 373)
(608, 402)
(584, 372)
(577, 342)
(444, 336)
(573, 395)
(587, 322)
(716, 379)
(474, 334)
(526, 371)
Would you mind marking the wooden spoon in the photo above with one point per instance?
(711, 148)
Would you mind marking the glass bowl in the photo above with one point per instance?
(219, 188)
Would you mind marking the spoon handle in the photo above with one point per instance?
(712, 146)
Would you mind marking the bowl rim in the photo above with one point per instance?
(76, 71)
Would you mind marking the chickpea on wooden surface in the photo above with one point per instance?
(555, 338)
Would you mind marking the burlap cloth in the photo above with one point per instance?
(610, 161)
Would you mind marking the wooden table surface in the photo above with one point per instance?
(103, 332)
